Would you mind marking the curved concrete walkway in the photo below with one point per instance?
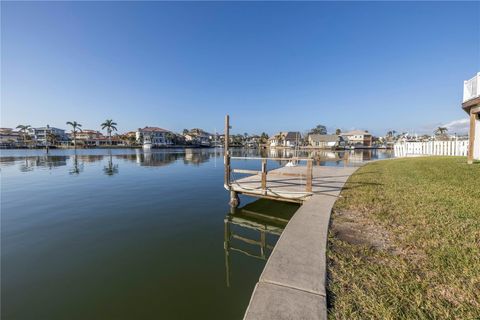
(292, 284)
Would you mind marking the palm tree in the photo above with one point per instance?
(441, 130)
(23, 129)
(279, 138)
(391, 133)
(110, 126)
(170, 136)
(75, 127)
(51, 138)
(264, 137)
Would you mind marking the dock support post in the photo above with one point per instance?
(309, 175)
(234, 199)
(226, 159)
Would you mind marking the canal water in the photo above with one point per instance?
(127, 234)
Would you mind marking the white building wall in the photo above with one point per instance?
(476, 146)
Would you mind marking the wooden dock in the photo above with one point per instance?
(294, 184)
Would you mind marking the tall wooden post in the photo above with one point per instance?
(226, 152)
(471, 142)
(309, 175)
(234, 199)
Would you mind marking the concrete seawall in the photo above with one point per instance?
(292, 284)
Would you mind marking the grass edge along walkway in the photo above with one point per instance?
(404, 241)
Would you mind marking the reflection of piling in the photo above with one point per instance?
(226, 247)
(263, 222)
(263, 244)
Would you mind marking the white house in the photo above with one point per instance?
(198, 136)
(285, 139)
(39, 134)
(157, 136)
(87, 137)
(325, 141)
(358, 138)
(471, 105)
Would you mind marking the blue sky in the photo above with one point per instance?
(271, 65)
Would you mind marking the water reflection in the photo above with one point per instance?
(348, 156)
(194, 157)
(254, 229)
(26, 164)
(110, 169)
(76, 167)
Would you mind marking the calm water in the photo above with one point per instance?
(123, 234)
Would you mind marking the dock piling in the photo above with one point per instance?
(264, 176)
(308, 187)
(234, 199)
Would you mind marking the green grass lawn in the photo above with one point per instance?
(405, 241)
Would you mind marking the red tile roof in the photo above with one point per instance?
(157, 129)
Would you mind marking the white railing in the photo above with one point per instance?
(432, 148)
(471, 88)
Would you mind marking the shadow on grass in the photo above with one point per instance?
(364, 173)
(360, 184)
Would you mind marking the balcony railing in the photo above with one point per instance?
(471, 88)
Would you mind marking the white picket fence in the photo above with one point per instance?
(433, 148)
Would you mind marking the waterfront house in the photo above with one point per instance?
(252, 141)
(10, 138)
(198, 136)
(326, 141)
(87, 134)
(285, 139)
(38, 135)
(358, 138)
(106, 141)
(88, 138)
(129, 138)
(93, 138)
(157, 136)
(471, 105)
